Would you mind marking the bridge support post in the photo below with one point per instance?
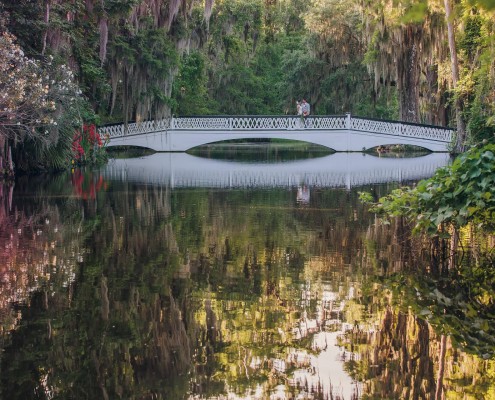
(348, 120)
(348, 181)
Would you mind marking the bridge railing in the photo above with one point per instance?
(253, 123)
(135, 128)
(258, 123)
(402, 129)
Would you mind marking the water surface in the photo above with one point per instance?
(178, 277)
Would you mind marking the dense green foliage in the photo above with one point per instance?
(454, 197)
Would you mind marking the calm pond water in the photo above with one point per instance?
(178, 277)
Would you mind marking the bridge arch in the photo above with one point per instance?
(397, 147)
(252, 140)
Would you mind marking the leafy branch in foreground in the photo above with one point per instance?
(455, 196)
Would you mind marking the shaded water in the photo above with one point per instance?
(159, 278)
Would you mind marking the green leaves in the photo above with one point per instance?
(415, 12)
(454, 196)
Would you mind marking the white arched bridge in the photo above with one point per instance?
(339, 133)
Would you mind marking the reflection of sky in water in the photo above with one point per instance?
(318, 370)
(324, 370)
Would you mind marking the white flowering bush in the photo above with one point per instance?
(25, 98)
(39, 104)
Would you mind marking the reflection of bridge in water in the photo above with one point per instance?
(336, 170)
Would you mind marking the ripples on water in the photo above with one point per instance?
(178, 277)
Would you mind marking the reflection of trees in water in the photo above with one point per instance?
(396, 360)
(263, 306)
(277, 280)
(401, 355)
(37, 247)
(402, 358)
(209, 292)
(148, 331)
(121, 329)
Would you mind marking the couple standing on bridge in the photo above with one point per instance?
(303, 109)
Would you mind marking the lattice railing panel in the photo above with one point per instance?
(368, 125)
(400, 129)
(427, 132)
(261, 123)
(326, 123)
(111, 131)
(135, 128)
(201, 123)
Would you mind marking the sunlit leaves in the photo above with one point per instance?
(416, 12)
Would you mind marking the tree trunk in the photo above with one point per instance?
(441, 368)
(46, 20)
(10, 165)
(126, 99)
(2, 153)
(461, 126)
(454, 244)
(408, 73)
